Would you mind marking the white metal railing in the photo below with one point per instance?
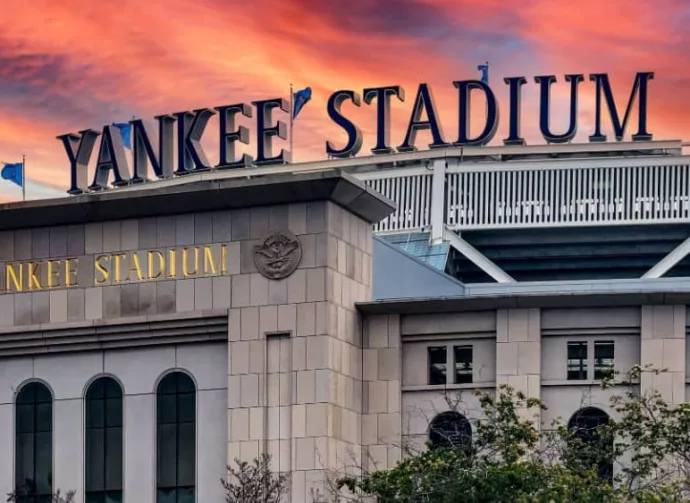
(539, 193)
(411, 190)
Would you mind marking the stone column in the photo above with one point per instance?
(295, 343)
(663, 347)
(518, 353)
(382, 373)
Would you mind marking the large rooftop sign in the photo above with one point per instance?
(155, 149)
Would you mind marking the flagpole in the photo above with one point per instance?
(23, 178)
(292, 118)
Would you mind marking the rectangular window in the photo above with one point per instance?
(577, 361)
(438, 358)
(603, 359)
(463, 364)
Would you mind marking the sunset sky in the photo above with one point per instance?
(75, 64)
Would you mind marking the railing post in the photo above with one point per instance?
(438, 200)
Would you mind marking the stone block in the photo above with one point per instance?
(6, 246)
(234, 391)
(377, 331)
(111, 236)
(241, 290)
(323, 385)
(259, 221)
(167, 231)
(166, 293)
(306, 386)
(239, 424)
(184, 229)
(389, 428)
(240, 224)
(249, 390)
(203, 293)
(257, 353)
(287, 318)
(22, 244)
(239, 357)
(377, 397)
(297, 286)
(221, 222)
(58, 242)
(221, 287)
(507, 358)
(129, 234)
(129, 300)
(256, 423)
(297, 218)
(148, 233)
(268, 319)
(317, 420)
(308, 242)
(674, 354)
(249, 323)
(75, 241)
(394, 396)
(6, 310)
(185, 297)
(93, 303)
(75, 304)
(234, 257)
(40, 243)
(316, 217)
(58, 306)
(40, 307)
(370, 430)
(305, 458)
(277, 292)
(321, 250)
(247, 264)
(278, 217)
(318, 352)
(258, 288)
(306, 319)
(203, 228)
(299, 421)
(529, 357)
(389, 364)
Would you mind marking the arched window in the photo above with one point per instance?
(104, 442)
(176, 439)
(597, 449)
(450, 429)
(34, 444)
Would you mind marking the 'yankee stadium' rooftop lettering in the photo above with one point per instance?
(158, 149)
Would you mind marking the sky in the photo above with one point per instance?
(70, 65)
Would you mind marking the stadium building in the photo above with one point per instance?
(321, 312)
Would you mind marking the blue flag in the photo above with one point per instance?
(13, 173)
(126, 134)
(300, 99)
(485, 73)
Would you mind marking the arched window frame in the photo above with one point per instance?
(104, 422)
(176, 432)
(33, 424)
(588, 433)
(460, 437)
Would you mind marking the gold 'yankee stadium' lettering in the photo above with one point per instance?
(34, 276)
(115, 268)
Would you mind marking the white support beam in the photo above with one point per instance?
(438, 200)
(665, 264)
(476, 257)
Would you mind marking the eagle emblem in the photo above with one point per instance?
(278, 255)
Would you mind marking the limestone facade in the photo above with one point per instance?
(306, 368)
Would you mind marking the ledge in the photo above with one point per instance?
(121, 333)
(200, 195)
(429, 305)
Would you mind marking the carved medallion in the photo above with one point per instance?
(278, 255)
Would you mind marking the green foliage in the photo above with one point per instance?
(250, 483)
(510, 460)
